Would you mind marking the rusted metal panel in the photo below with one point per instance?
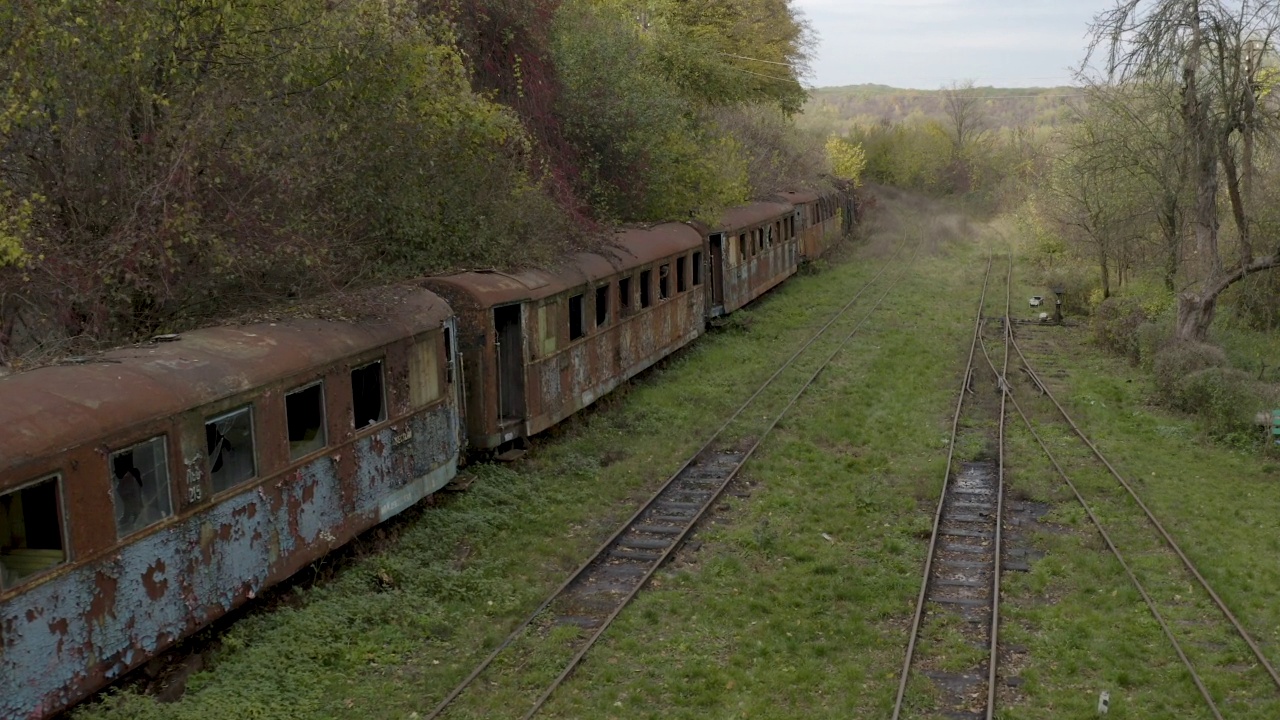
(87, 621)
(759, 258)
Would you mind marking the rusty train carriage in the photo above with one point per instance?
(820, 220)
(754, 248)
(149, 492)
(541, 345)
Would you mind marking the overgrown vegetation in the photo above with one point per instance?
(179, 160)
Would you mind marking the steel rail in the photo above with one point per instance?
(993, 664)
(1169, 541)
(937, 515)
(577, 658)
(581, 569)
(1155, 612)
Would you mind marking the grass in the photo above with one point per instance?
(793, 600)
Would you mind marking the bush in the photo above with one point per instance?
(1076, 283)
(1178, 361)
(1225, 397)
(1116, 323)
(1152, 337)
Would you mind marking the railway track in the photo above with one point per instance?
(959, 600)
(1223, 660)
(598, 591)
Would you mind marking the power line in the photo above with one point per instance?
(744, 57)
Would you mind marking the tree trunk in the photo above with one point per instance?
(1195, 315)
(1106, 275)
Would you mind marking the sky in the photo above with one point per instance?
(926, 44)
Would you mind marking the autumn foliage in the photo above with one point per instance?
(164, 163)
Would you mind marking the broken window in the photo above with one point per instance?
(646, 281)
(424, 373)
(577, 328)
(367, 402)
(30, 531)
(624, 295)
(664, 281)
(742, 248)
(140, 486)
(229, 442)
(304, 412)
(697, 269)
(602, 306)
(759, 239)
(682, 275)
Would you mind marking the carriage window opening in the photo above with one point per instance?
(448, 355)
(664, 281)
(646, 281)
(367, 405)
(304, 412)
(424, 372)
(30, 531)
(742, 248)
(759, 239)
(697, 269)
(229, 441)
(682, 275)
(624, 295)
(577, 328)
(140, 486)
(602, 306)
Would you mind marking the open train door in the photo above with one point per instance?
(716, 241)
(509, 337)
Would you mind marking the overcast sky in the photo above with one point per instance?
(928, 43)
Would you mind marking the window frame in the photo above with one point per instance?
(646, 289)
(682, 274)
(168, 483)
(382, 388)
(64, 537)
(602, 303)
(696, 275)
(253, 436)
(664, 281)
(578, 314)
(625, 296)
(324, 418)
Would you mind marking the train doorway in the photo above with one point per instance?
(717, 270)
(510, 343)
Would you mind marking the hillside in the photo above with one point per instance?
(838, 108)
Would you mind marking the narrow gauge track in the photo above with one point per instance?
(1170, 545)
(961, 578)
(597, 592)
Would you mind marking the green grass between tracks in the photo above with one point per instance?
(796, 600)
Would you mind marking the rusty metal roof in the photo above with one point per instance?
(799, 197)
(49, 410)
(629, 249)
(753, 214)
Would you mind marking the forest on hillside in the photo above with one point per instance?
(843, 108)
(167, 163)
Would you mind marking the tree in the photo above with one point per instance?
(1215, 52)
(967, 129)
(1096, 208)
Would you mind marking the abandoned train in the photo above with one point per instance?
(151, 490)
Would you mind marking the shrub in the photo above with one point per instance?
(1116, 323)
(1177, 362)
(1225, 397)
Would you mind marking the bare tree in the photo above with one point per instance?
(968, 130)
(1214, 52)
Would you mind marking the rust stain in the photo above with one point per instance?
(155, 588)
(104, 600)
